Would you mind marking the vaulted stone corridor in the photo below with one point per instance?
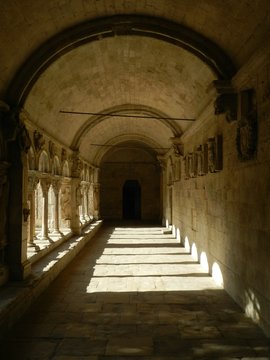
(135, 293)
(153, 111)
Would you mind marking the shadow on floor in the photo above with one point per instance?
(76, 319)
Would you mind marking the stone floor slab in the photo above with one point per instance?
(130, 346)
(127, 297)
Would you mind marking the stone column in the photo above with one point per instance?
(65, 201)
(76, 198)
(32, 184)
(96, 200)
(75, 223)
(45, 185)
(163, 189)
(170, 204)
(91, 200)
(56, 185)
(86, 194)
(82, 204)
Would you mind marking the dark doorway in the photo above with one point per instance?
(132, 200)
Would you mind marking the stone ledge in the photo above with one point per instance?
(16, 297)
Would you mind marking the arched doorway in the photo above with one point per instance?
(131, 200)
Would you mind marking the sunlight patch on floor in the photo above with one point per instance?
(144, 259)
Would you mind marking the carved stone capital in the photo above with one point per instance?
(84, 186)
(56, 186)
(45, 184)
(32, 183)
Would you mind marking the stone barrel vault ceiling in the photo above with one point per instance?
(134, 71)
(160, 65)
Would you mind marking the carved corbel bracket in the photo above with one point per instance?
(39, 141)
(162, 161)
(12, 125)
(178, 146)
(226, 100)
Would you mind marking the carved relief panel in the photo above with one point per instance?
(201, 160)
(189, 165)
(214, 147)
(66, 202)
(177, 170)
(206, 158)
(246, 139)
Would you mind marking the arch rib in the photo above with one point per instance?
(119, 25)
(128, 108)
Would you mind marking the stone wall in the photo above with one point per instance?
(133, 164)
(225, 216)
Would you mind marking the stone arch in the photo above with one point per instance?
(65, 169)
(124, 110)
(56, 169)
(149, 145)
(120, 25)
(31, 159)
(43, 162)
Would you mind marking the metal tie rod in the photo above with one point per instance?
(125, 116)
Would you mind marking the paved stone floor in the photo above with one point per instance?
(134, 293)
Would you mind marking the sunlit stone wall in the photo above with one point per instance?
(227, 214)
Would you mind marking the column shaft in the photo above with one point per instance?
(44, 224)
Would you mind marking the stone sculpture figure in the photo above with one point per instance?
(66, 203)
